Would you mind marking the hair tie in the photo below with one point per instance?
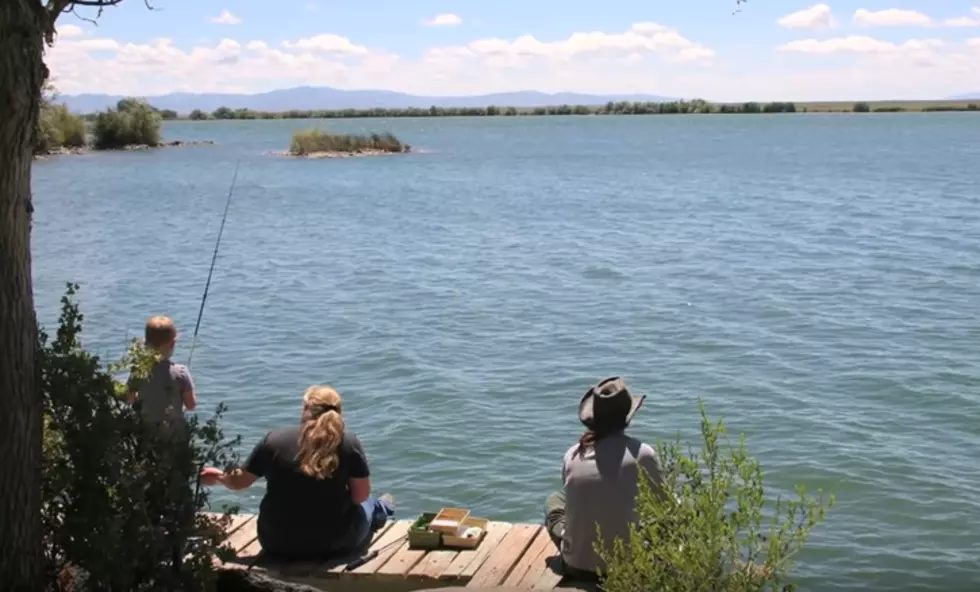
(318, 410)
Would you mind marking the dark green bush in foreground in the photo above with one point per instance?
(314, 141)
(112, 511)
(131, 123)
(715, 531)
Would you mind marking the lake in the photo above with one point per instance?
(815, 279)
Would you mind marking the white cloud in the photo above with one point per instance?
(816, 17)
(650, 38)
(444, 20)
(857, 44)
(70, 31)
(646, 58)
(891, 17)
(972, 20)
(327, 43)
(226, 18)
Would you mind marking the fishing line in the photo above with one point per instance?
(214, 257)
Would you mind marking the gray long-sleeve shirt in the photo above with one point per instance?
(601, 488)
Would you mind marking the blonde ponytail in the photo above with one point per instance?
(321, 432)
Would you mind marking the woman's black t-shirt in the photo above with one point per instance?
(301, 515)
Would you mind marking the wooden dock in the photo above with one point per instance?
(520, 556)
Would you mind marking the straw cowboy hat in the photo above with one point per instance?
(609, 405)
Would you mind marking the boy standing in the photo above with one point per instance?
(169, 389)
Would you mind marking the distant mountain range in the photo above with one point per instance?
(966, 97)
(308, 97)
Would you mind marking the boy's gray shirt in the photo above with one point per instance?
(601, 488)
(162, 395)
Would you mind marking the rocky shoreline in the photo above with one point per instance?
(63, 151)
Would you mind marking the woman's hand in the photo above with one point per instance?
(211, 476)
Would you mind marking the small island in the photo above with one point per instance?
(318, 143)
(132, 125)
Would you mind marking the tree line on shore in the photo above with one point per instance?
(695, 106)
(136, 122)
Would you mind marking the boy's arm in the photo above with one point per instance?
(187, 389)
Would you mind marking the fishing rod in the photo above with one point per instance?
(214, 257)
(178, 553)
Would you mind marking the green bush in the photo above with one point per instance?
(861, 107)
(709, 534)
(121, 507)
(131, 123)
(59, 128)
(315, 140)
(198, 115)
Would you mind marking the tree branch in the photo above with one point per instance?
(55, 8)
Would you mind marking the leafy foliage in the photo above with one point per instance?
(133, 122)
(60, 128)
(709, 535)
(122, 505)
(57, 127)
(316, 140)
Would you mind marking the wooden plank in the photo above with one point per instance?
(550, 578)
(386, 546)
(244, 535)
(238, 521)
(467, 562)
(327, 568)
(534, 563)
(248, 557)
(374, 545)
(508, 553)
(400, 563)
(433, 565)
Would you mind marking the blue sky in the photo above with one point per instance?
(838, 50)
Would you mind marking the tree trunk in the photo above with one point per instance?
(22, 71)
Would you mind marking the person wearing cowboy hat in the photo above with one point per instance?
(600, 478)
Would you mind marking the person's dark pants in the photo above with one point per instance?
(373, 514)
(554, 521)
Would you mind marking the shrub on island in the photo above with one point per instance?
(131, 123)
(315, 141)
(59, 128)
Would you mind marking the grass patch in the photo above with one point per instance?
(314, 141)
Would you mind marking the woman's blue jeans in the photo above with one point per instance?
(374, 515)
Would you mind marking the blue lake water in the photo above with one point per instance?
(814, 278)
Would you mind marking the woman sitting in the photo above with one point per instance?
(600, 476)
(317, 503)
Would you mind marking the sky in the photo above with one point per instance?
(711, 49)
